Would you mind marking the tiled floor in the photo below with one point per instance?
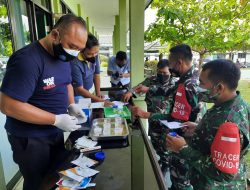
(19, 185)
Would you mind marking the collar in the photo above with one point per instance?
(80, 57)
(228, 103)
(187, 75)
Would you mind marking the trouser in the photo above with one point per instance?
(37, 157)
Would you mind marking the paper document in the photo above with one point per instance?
(85, 142)
(106, 97)
(83, 161)
(119, 103)
(171, 125)
(84, 103)
(72, 175)
(96, 105)
(86, 172)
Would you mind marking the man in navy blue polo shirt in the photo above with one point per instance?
(85, 70)
(36, 94)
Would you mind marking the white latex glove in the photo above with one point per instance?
(75, 110)
(66, 122)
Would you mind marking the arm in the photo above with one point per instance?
(97, 83)
(203, 163)
(126, 75)
(70, 94)
(85, 93)
(25, 111)
(110, 69)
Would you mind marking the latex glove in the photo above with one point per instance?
(66, 122)
(75, 110)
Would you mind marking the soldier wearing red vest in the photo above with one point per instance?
(185, 108)
(221, 140)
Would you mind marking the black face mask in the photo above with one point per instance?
(61, 54)
(120, 65)
(163, 78)
(91, 59)
(175, 73)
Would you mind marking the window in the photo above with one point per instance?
(241, 55)
(25, 22)
(5, 38)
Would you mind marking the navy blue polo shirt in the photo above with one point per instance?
(83, 72)
(36, 77)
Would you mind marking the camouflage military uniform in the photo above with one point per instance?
(155, 101)
(178, 167)
(204, 174)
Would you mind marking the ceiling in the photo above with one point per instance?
(101, 13)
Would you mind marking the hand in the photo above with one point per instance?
(189, 128)
(139, 112)
(107, 103)
(75, 110)
(126, 97)
(121, 75)
(66, 122)
(141, 89)
(175, 143)
(100, 96)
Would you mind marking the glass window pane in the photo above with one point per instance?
(25, 22)
(5, 38)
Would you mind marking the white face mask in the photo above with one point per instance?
(72, 52)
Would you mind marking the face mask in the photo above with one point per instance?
(174, 72)
(64, 54)
(91, 59)
(205, 95)
(163, 78)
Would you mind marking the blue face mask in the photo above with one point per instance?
(205, 95)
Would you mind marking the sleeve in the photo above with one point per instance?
(158, 115)
(76, 74)
(110, 64)
(192, 97)
(147, 82)
(21, 77)
(203, 163)
(97, 65)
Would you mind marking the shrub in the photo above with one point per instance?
(104, 64)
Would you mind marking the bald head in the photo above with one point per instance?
(71, 32)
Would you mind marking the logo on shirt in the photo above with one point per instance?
(49, 82)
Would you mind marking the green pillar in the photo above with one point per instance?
(96, 35)
(2, 179)
(87, 22)
(79, 11)
(56, 6)
(136, 8)
(113, 41)
(93, 30)
(117, 33)
(122, 25)
(136, 25)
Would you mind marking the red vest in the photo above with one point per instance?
(225, 149)
(182, 108)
